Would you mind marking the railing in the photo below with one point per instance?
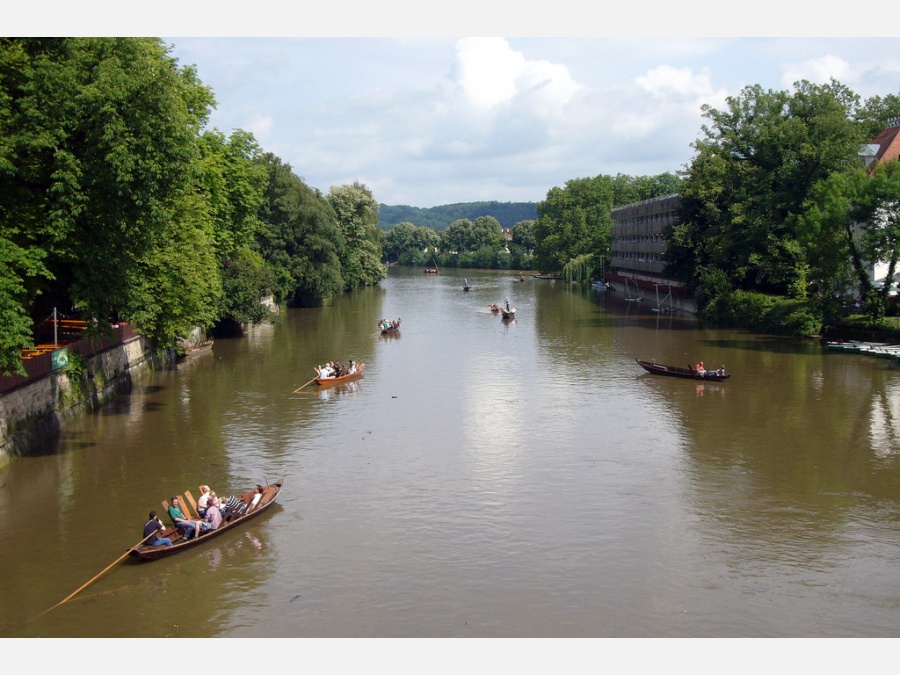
(41, 365)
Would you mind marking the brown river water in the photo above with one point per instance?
(484, 478)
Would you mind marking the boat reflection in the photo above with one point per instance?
(338, 390)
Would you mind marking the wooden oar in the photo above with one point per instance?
(113, 564)
(308, 383)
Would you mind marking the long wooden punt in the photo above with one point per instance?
(676, 371)
(326, 381)
(233, 517)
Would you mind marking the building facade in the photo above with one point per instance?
(638, 245)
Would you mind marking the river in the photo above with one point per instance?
(484, 478)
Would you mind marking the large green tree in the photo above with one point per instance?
(853, 225)
(357, 216)
(409, 244)
(746, 188)
(300, 238)
(98, 160)
(233, 180)
(574, 221)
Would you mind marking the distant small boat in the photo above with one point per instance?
(494, 308)
(393, 328)
(599, 286)
(508, 313)
(687, 373)
(466, 286)
(431, 270)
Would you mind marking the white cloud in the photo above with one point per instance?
(491, 73)
(818, 71)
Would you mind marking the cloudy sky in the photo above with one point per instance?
(435, 120)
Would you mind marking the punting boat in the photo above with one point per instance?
(235, 515)
(494, 308)
(394, 327)
(689, 373)
(508, 313)
(325, 381)
(548, 277)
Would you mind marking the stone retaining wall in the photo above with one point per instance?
(35, 412)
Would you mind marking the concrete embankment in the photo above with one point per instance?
(38, 409)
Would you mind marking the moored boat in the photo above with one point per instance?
(237, 513)
(688, 373)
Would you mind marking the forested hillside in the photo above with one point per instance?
(440, 217)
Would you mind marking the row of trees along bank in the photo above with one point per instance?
(116, 198)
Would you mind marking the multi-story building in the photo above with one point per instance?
(637, 248)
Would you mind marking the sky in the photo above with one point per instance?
(424, 116)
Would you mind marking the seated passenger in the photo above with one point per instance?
(257, 497)
(151, 527)
(213, 518)
(186, 526)
(203, 500)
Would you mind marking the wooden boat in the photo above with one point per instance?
(508, 313)
(688, 373)
(494, 308)
(326, 381)
(199, 348)
(431, 270)
(548, 277)
(393, 328)
(233, 517)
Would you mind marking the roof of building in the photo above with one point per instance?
(888, 142)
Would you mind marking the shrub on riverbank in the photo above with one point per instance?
(763, 313)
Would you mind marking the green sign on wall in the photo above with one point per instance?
(60, 358)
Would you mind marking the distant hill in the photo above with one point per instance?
(440, 217)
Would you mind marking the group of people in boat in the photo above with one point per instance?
(211, 509)
(701, 370)
(389, 325)
(334, 369)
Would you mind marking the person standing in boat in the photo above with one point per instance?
(507, 304)
(185, 525)
(151, 527)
